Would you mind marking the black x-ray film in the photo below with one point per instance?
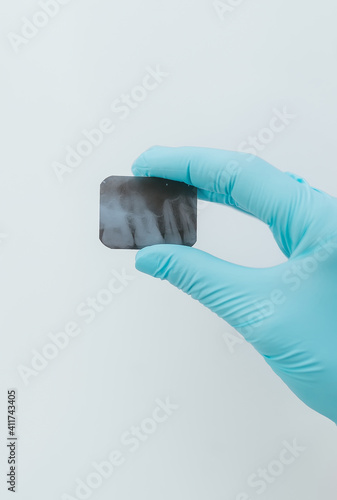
(136, 212)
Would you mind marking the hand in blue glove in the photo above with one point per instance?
(287, 312)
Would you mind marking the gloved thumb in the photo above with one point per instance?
(229, 290)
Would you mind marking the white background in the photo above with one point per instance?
(226, 75)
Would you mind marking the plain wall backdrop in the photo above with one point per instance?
(218, 75)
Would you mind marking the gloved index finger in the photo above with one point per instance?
(246, 182)
(201, 167)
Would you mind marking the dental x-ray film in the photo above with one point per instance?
(136, 212)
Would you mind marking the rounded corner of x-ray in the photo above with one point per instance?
(136, 212)
(105, 182)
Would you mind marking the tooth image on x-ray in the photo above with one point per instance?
(140, 211)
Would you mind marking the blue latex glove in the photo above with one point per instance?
(287, 312)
